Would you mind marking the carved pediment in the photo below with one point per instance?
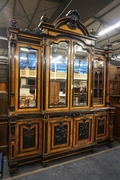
(73, 19)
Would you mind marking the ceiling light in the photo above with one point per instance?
(56, 58)
(116, 43)
(3, 38)
(3, 57)
(24, 49)
(109, 29)
(118, 56)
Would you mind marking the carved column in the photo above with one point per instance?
(12, 141)
(111, 121)
(12, 49)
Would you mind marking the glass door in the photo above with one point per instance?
(57, 72)
(27, 78)
(79, 76)
(98, 81)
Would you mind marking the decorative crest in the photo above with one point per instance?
(73, 19)
(44, 18)
(13, 23)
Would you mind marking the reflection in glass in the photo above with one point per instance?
(98, 81)
(28, 77)
(58, 74)
(80, 78)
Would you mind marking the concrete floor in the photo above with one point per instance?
(102, 165)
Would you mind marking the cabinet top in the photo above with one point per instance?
(70, 24)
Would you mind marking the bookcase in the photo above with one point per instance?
(59, 101)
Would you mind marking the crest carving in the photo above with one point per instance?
(73, 19)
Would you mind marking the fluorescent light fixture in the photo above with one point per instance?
(23, 58)
(3, 38)
(116, 43)
(3, 57)
(118, 56)
(109, 29)
(24, 49)
(56, 59)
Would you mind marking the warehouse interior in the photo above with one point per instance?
(53, 49)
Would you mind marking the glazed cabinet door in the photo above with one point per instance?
(99, 81)
(59, 134)
(102, 125)
(83, 131)
(80, 75)
(67, 75)
(27, 79)
(57, 69)
(28, 138)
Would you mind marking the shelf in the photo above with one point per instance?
(114, 81)
(97, 88)
(114, 95)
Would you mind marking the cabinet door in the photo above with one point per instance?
(83, 131)
(80, 87)
(57, 75)
(59, 134)
(27, 78)
(99, 79)
(102, 126)
(28, 134)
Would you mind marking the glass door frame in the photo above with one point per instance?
(17, 79)
(104, 76)
(48, 42)
(89, 76)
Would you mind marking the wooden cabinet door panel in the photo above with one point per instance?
(83, 131)
(102, 126)
(28, 137)
(59, 134)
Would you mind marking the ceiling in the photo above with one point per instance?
(95, 14)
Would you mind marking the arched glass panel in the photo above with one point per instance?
(58, 74)
(28, 77)
(80, 76)
(98, 81)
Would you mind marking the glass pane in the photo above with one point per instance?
(58, 74)
(98, 81)
(80, 79)
(28, 77)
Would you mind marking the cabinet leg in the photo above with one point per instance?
(94, 149)
(111, 142)
(12, 167)
(45, 163)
